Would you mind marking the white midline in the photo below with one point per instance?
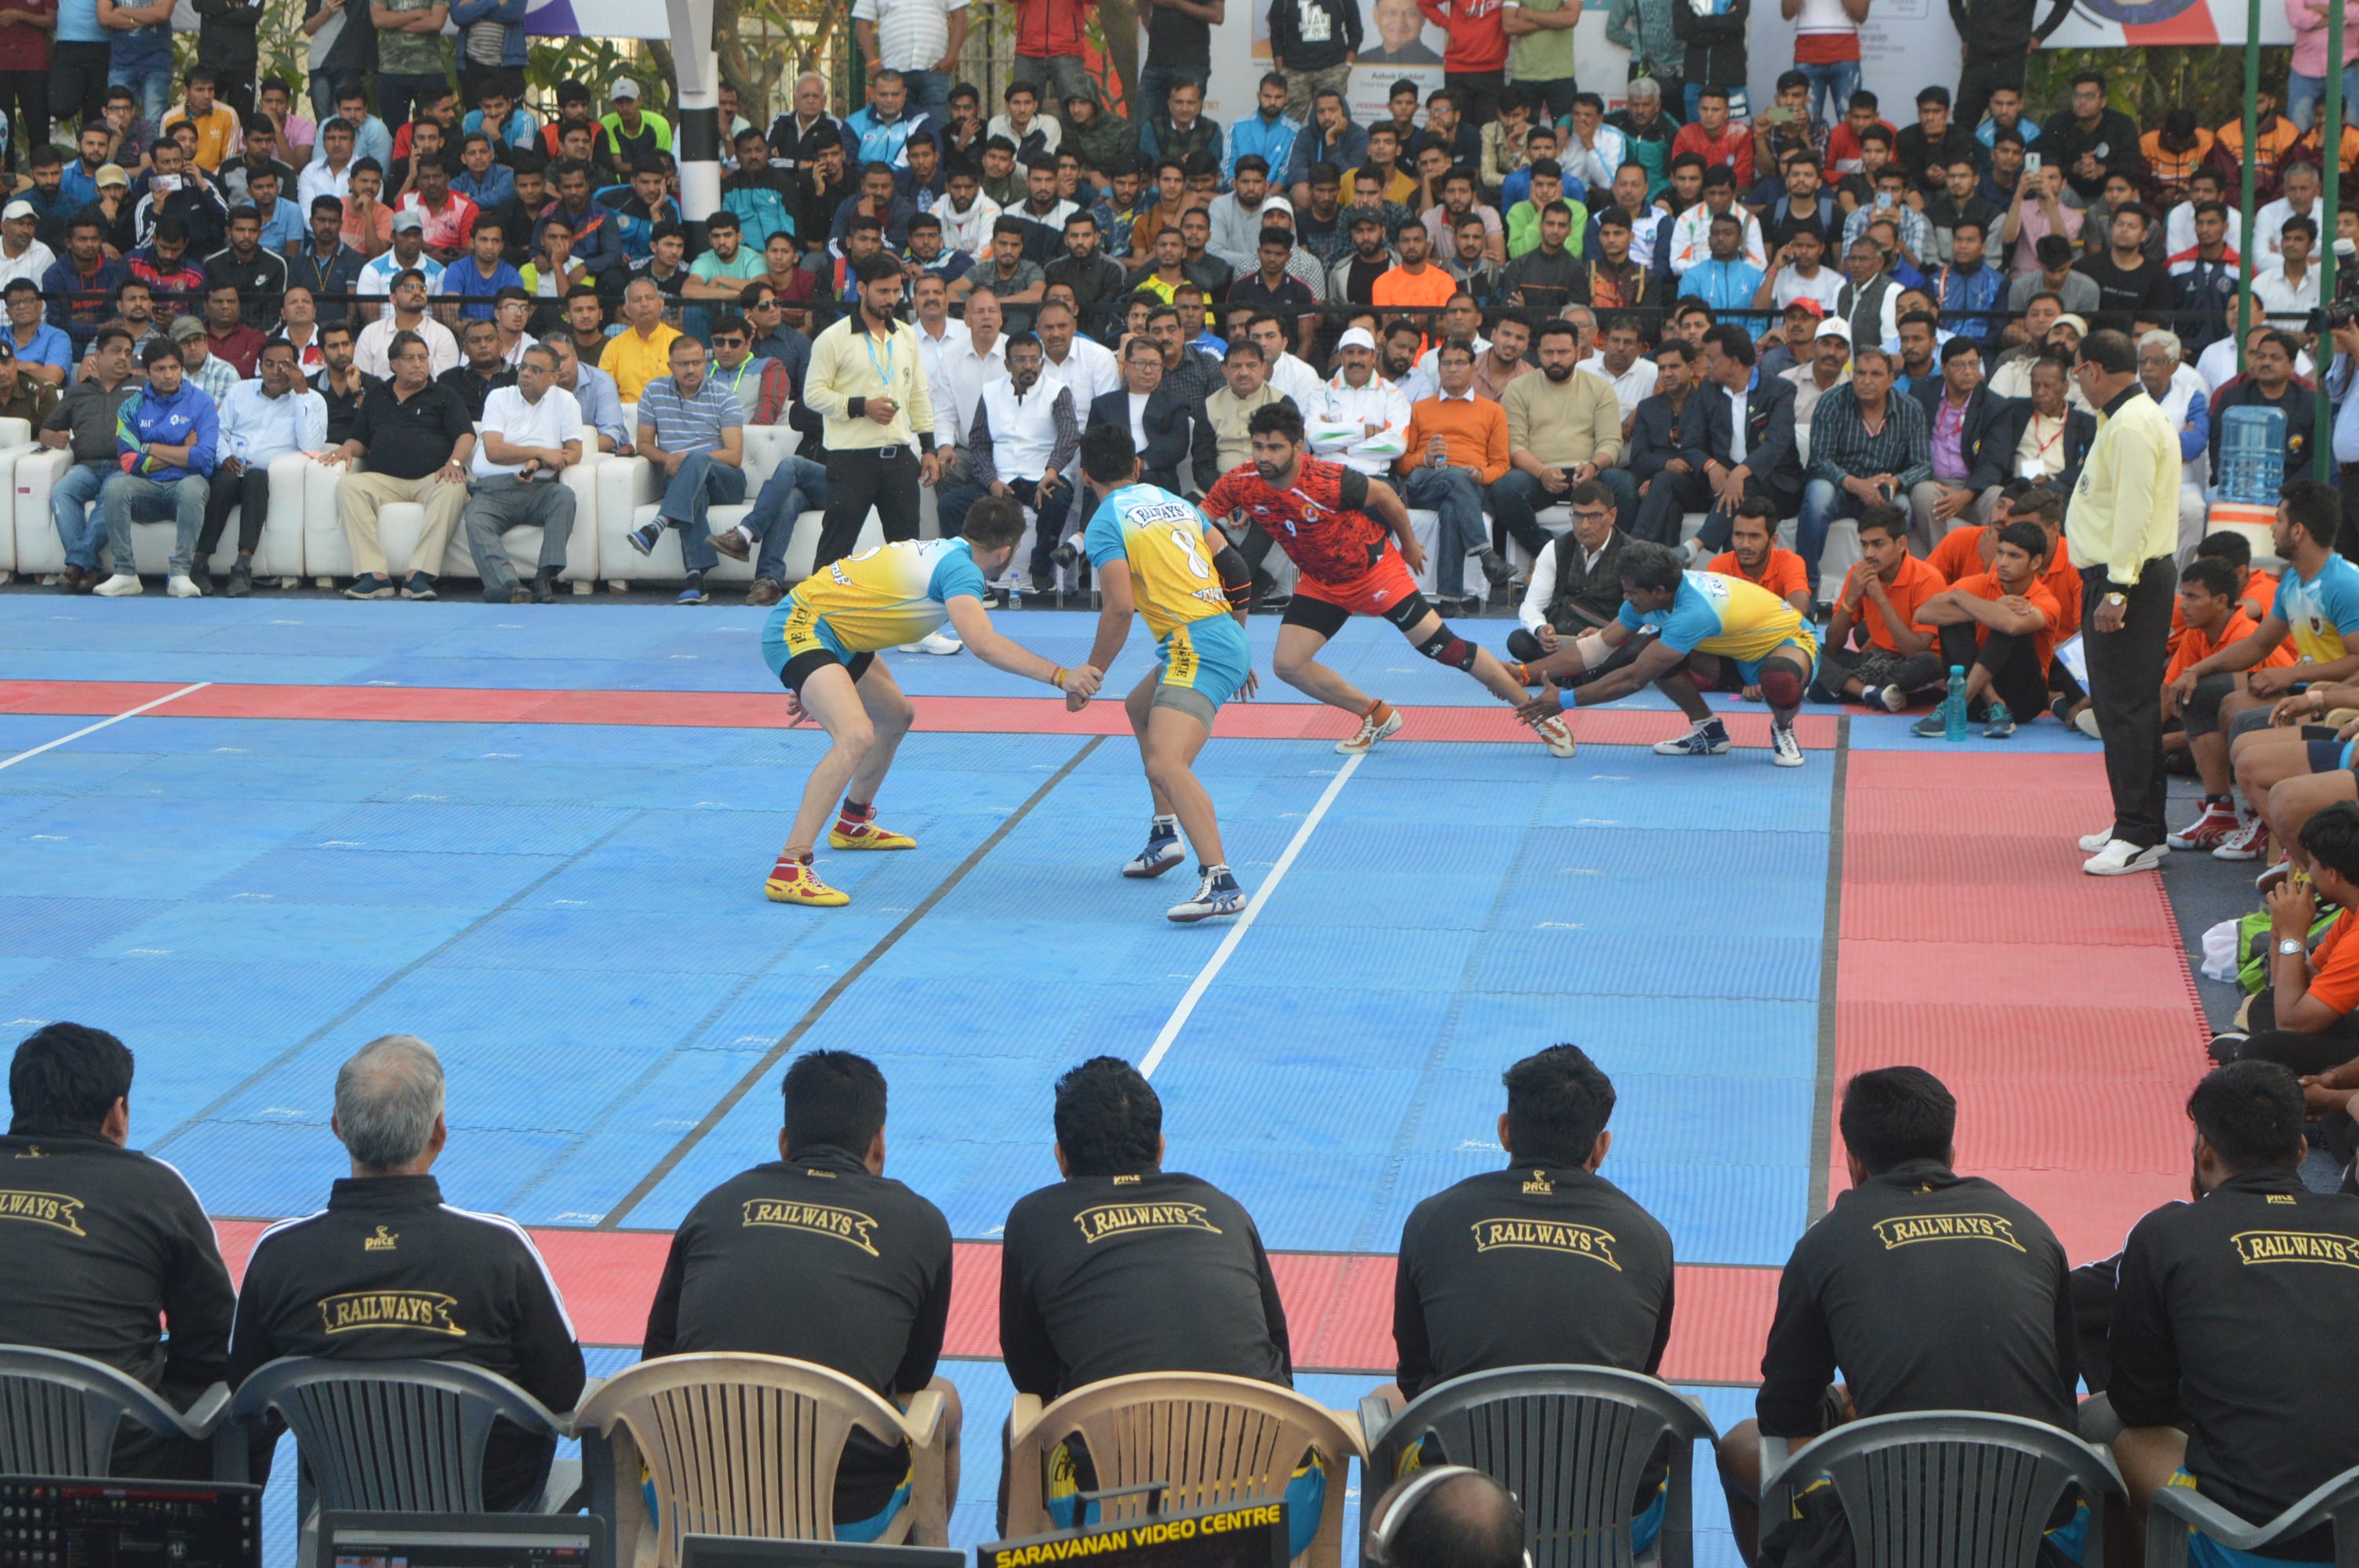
(1204, 976)
(94, 729)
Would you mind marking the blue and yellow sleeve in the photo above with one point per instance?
(1103, 540)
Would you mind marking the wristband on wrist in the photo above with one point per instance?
(1057, 679)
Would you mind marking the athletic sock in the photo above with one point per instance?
(1163, 827)
(1221, 877)
(855, 816)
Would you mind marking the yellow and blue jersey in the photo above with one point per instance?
(2323, 613)
(1723, 615)
(1164, 540)
(879, 599)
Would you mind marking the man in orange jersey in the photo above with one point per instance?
(2213, 618)
(1755, 555)
(1881, 597)
(2001, 626)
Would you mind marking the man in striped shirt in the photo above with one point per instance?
(692, 427)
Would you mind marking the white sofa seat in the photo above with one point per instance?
(630, 488)
(328, 554)
(31, 475)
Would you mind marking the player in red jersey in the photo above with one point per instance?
(1320, 514)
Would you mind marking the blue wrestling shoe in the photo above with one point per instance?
(1162, 851)
(1706, 738)
(1216, 897)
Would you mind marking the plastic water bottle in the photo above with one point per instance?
(1014, 593)
(2252, 455)
(1953, 705)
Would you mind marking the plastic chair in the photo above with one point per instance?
(391, 1436)
(59, 1414)
(1570, 1442)
(1208, 1439)
(1949, 1488)
(746, 1446)
(2176, 1507)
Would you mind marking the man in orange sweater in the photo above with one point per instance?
(1755, 555)
(1455, 448)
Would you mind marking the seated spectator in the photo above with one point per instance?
(1575, 587)
(691, 430)
(2302, 185)
(1972, 446)
(1123, 1267)
(1868, 447)
(2287, 292)
(1762, 455)
(2208, 618)
(2134, 291)
(228, 338)
(41, 352)
(2174, 383)
(1826, 364)
(80, 286)
(1547, 1228)
(1755, 555)
(83, 426)
(417, 451)
(1246, 388)
(481, 371)
(876, 1311)
(460, 1287)
(1900, 660)
(1678, 435)
(263, 420)
(119, 1247)
(2050, 438)
(1175, 438)
(373, 351)
(1974, 1314)
(2001, 627)
(641, 354)
(166, 437)
(1690, 237)
(25, 397)
(1564, 430)
(1023, 434)
(1447, 1516)
(2226, 1338)
(1456, 450)
(530, 433)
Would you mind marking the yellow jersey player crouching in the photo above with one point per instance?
(1691, 621)
(1153, 551)
(822, 642)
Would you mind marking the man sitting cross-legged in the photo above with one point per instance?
(1880, 599)
(2236, 736)
(2000, 626)
(1687, 623)
(2210, 617)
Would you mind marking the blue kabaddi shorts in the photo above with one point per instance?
(1204, 663)
(1748, 671)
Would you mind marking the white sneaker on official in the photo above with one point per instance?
(182, 586)
(2120, 857)
(1557, 736)
(934, 643)
(122, 585)
(2092, 842)
(1786, 747)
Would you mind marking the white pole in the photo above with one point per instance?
(697, 143)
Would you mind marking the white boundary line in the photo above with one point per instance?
(1204, 976)
(94, 729)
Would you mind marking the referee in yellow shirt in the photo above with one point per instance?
(869, 385)
(2122, 524)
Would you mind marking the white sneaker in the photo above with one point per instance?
(934, 643)
(2120, 857)
(1786, 747)
(1370, 732)
(182, 586)
(2250, 838)
(1557, 736)
(122, 585)
(2092, 842)
(2085, 722)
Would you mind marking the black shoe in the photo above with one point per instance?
(202, 575)
(241, 580)
(1820, 694)
(544, 586)
(1044, 585)
(1496, 568)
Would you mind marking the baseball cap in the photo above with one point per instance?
(624, 88)
(1807, 306)
(1835, 326)
(187, 327)
(409, 218)
(18, 209)
(1357, 338)
(112, 173)
(2078, 323)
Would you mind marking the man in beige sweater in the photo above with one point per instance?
(1563, 429)
(1249, 388)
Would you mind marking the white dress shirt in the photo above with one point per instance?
(1632, 387)
(963, 372)
(37, 259)
(1090, 371)
(1336, 422)
(1294, 379)
(372, 350)
(258, 429)
(553, 421)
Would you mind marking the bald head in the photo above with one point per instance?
(1467, 1522)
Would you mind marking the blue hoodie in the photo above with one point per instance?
(148, 416)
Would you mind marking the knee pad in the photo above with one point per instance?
(1447, 647)
(1781, 685)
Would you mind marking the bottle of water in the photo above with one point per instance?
(1953, 705)
(1014, 593)
(2252, 455)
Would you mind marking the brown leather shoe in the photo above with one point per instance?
(70, 580)
(732, 544)
(766, 590)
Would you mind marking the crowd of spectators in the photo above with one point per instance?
(1921, 288)
(1923, 1288)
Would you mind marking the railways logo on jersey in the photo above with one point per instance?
(55, 1210)
(1547, 1236)
(428, 1311)
(1897, 1232)
(823, 1219)
(1119, 1218)
(2296, 1247)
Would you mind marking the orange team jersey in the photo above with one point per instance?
(1781, 574)
(1433, 287)
(2260, 593)
(2335, 968)
(1959, 556)
(2064, 582)
(1320, 521)
(1915, 582)
(2272, 145)
(2192, 647)
(1985, 584)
